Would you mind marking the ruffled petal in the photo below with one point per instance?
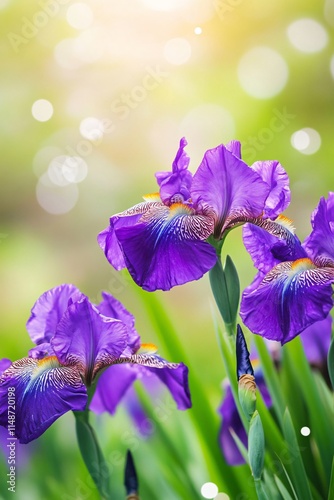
(113, 308)
(89, 340)
(277, 179)
(320, 243)
(4, 364)
(165, 248)
(291, 297)
(107, 239)
(316, 340)
(47, 312)
(235, 148)
(175, 185)
(267, 250)
(44, 390)
(41, 351)
(225, 186)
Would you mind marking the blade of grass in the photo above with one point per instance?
(297, 469)
(271, 377)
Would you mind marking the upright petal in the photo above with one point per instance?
(113, 308)
(277, 179)
(226, 186)
(320, 243)
(48, 311)
(89, 340)
(291, 297)
(166, 247)
(175, 185)
(43, 391)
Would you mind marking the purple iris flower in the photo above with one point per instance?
(293, 286)
(76, 345)
(163, 240)
(316, 341)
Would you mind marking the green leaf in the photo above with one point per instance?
(296, 468)
(256, 446)
(91, 453)
(331, 484)
(233, 286)
(226, 291)
(282, 489)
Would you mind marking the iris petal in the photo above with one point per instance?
(226, 186)
(117, 379)
(108, 240)
(44, 390)
(176, 184)
(268, 250)
(165, 247)
(292, 296)
(89, 340)
(320, 243)
(47, 312)
(277, 179)
(113, 308)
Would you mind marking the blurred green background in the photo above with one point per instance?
(94, 98)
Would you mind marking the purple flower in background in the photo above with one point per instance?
(316, 341)
(76, 341)
(163, 240)
(293, 287)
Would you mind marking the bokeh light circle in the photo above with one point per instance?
(91, 128)
(222, 496)
(177, 51)
(307, 35)
(64, 170)
(198, 30)
(305, 431)
(262, 72)
(209, 490)
(306, 141)
(54, 199)
(42, 110)
(79, 15)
